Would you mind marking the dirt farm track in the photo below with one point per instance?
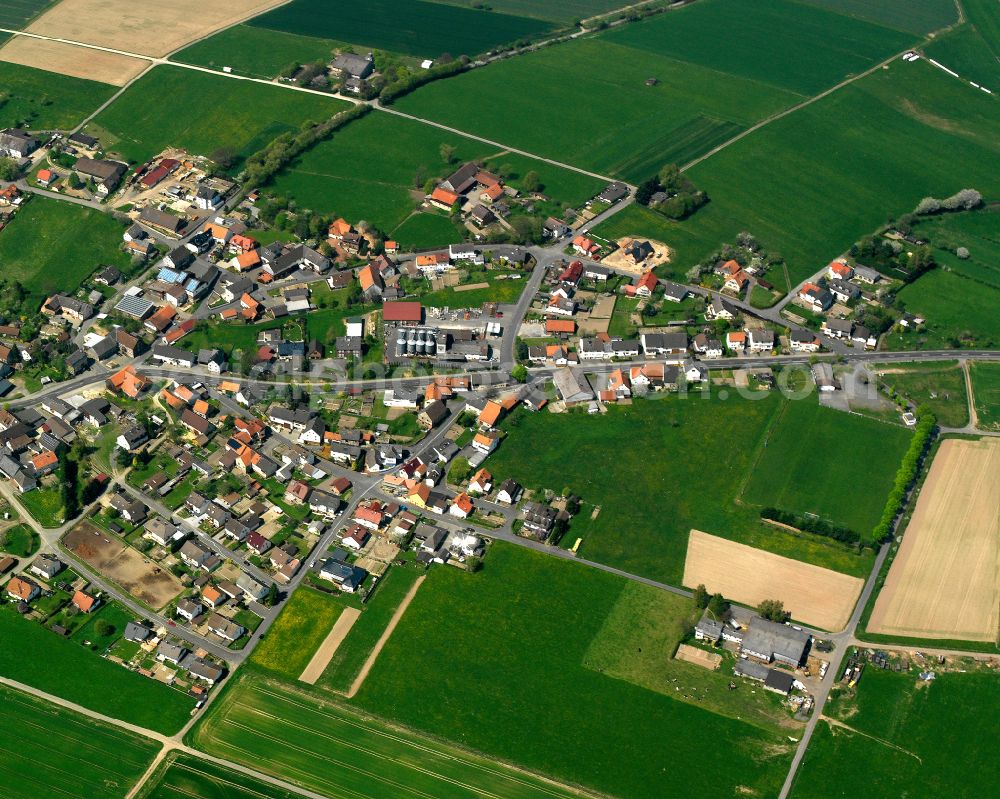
(945, 580)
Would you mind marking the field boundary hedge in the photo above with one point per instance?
(905, 476)
(810, 524)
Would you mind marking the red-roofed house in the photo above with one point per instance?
(585, 246)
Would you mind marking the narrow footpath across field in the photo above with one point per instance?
(384, 638)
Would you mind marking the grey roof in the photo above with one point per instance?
(711, 628)
(356, 66)
(674, 290)
(748, 668)
(777, 640)
(136, 632)
(780, 681)
(613, 192)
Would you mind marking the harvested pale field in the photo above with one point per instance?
(321, 659)
(699, 657)
(813, 595)
(944, 582)
(123, 565)
(154, 29)
(68, 59)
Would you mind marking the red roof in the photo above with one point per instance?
(444, 196)
(402, 312)
(154, 176)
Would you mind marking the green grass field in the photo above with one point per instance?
(964, 51)
(986, 392)
(501, 291)
(332, 749)
(688, 455)
(292, 640)
(203, 113)
(959, 313)
(412, 27)
(569, 103)
(16, 14)
(40, 100)
(637, 641)
(82, 677)
(427, 230)
(935, 137)
(813, 456)
(187, 777)
(375, 615)
(939, 385)
(507, 647)
(45, 506)
(912, 16)
(53, 246)
(257, 52)
(561, 11)
(368, 169)
(571, 99)
(906, 740)
(808, 48)
(57, 752)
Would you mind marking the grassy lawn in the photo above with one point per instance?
(939, 385)
(684, 460)
(41, 100)
(45, 506)
(285, 730)
(257, 52)
(115, 615)
(292, 640)
(501, 291)
(20, 541)
(368, 171)
(86, 679)
(53, 246)
(60, 753)
(525, 625)
(413, 27)
(986, 392)
(202, 113)
(835, 465)
(427, 230)
(184, 777)
(375, 615)
(907, 738)
(637, 642)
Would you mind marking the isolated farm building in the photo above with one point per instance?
(769, 641)
(353, 65)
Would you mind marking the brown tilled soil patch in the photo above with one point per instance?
(146, 581)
